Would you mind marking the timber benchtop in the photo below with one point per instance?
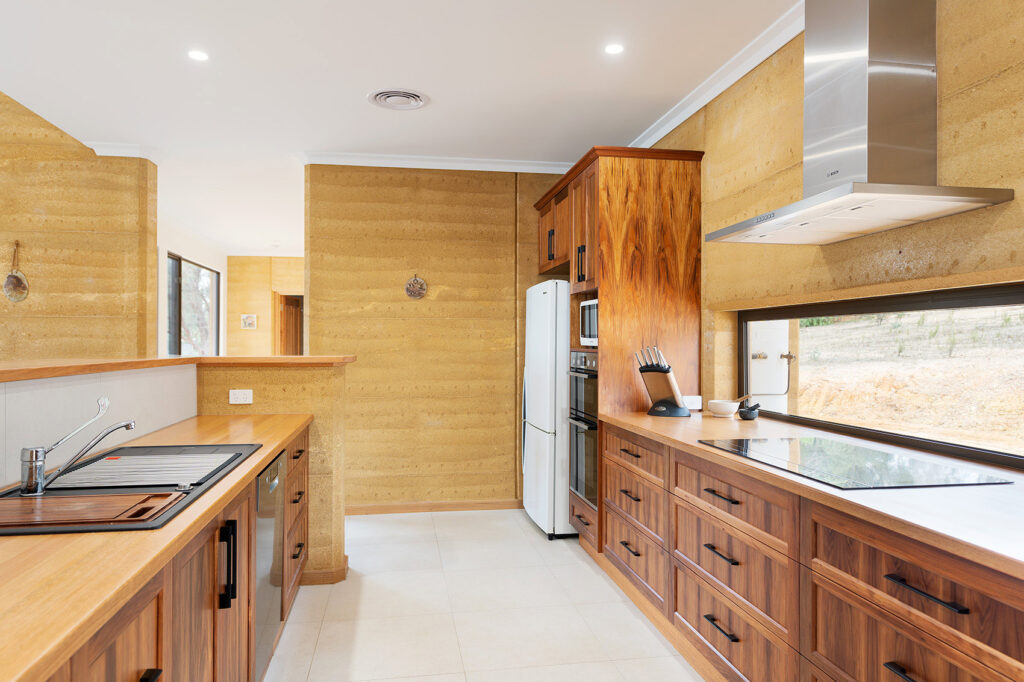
(980, 523)
(57, 590)
(45, 369)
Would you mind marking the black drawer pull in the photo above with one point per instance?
(298, 550)
(631, 454)
(151, 675)
(628, 548)
(298, 497)
(714, 550)
(898, 670)
(298, 454)
(714, 623)
(712, 491)
(626, 493)
(582, 520)
(951, 605)
(551, 245)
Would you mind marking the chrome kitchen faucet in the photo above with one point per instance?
(33, 460)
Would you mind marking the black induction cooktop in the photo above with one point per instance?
(850, 466)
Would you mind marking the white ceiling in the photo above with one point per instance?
(516, 80)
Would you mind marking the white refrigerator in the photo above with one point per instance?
(546, 407)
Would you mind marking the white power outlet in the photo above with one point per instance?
(240, 396)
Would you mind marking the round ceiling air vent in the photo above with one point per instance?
(400, 99)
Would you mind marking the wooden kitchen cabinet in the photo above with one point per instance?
(555, 228)
(583, 199)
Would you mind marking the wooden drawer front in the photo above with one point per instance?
(758, 509)
(852, 639)
(583, 518)
(295, 493)
(637, 454)
(298, 450)
(296, 549)
(638, 499)
(742, 642)
(649, 570)
(747, 571)
(889, 569)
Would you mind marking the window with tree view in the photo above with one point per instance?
(946, 367)
(193, 308)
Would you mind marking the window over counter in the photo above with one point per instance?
(193, 295)
(942, 371)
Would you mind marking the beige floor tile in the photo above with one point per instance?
(375, 529)
(662, 669)
(419, 555)
(294, 653)
(386, 595)
(481, 525)
(384, 648)
(309, 604)
(586, 583)
(572, 672)
(454, 677)
(494, 640)
(466, 554)
(503, 588)
(622, 631)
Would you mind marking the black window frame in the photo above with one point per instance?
(216, 328)
(968, 297)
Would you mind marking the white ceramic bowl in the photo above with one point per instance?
(723, 408)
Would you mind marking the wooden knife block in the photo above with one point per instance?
(664, 392)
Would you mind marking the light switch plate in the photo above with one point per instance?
(240, 396)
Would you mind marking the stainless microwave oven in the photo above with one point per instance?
(588, 323)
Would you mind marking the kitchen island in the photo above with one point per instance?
(58, 591)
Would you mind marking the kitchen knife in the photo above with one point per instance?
(661, 359)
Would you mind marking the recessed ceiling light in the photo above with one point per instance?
(398, 98)
(613, 48)
(198, 55)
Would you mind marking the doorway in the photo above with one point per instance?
(288, 340)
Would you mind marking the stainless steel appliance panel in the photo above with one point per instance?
(268, 556)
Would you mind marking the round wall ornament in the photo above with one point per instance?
(415, 287)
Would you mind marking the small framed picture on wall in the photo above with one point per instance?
(248, 321)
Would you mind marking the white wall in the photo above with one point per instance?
(41, 411)
(198, 250)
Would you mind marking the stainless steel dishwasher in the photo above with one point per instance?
(268, 557)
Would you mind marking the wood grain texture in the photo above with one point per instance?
(234, 626)
(195, 585)
(585, 247)
(72, 510)
(583, 518)
(637, 499)
(637, 454)
(757, 654)
(645, 562)
(319, 391)
(87, 227)
(34, 644)
(430, 405)
(976, 523)
(649, 274)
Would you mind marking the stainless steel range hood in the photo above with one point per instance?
(869, 129)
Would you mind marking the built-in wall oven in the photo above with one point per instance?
(583, 445)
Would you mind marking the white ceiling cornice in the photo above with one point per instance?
(787, 27)
(436, 162)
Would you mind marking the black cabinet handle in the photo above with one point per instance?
(298, 454)
(626, 493)
(229, 536)
(631, 454)
(898, 670)
(714, 623)
(582, 520)
(151, 675)
(298, 550)
(628, 548)
(551, 245)
(714, 550)
(580, 274)
(298, 497)
(712, 491)
(951, 605)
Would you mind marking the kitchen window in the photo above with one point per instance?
(193, 310)
(942, 371)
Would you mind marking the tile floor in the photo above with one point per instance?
(469, 597)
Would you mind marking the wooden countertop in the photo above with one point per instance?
(981, 523)
(57, 590)
(45, 369)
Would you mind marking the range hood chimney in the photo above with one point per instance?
(869, 129)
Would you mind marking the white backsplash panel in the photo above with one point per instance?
(39, 412)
